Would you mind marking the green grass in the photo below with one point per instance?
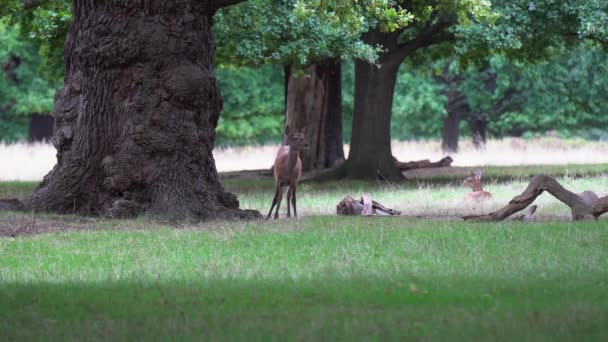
(318, 277)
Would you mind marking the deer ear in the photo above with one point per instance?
(287, 130)
(478, 174)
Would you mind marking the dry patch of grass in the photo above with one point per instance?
(32, 161)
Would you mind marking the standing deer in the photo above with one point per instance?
(288, 169)
(478, 194)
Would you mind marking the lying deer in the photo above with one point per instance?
(478, 194)
(288, 169)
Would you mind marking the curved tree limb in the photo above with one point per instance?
(225, 3)
(585, 205)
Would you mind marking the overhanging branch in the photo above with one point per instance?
(225, 3)
(430, 35)
(29, 4)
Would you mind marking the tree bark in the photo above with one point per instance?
(479, 131)
(451, 132)
(370, 155)
(135, 121)
(583, 205)
(314, 100)
(41, 127)
(456, 106)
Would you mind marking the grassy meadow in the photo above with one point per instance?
(426, 275)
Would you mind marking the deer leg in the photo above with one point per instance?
(288, 201)
(279, 197)
(274, 201)
(293, 200)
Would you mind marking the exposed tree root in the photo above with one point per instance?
(423, 164)
(11, 204)
(583, 205)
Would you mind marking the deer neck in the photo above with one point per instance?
(292, 159)
(477, 188)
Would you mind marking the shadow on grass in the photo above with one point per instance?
(333, 308)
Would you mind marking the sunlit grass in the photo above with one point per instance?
(413, 199)
(320, 277)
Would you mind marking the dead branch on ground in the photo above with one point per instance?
(423, 164)
(584, 205)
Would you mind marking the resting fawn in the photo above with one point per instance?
(288, 169)
(478, 194)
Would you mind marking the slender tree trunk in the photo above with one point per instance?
(451, 132)
(456, 106)
(135, 121)
(479, 131)
(314, 100)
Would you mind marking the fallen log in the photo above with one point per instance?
(349, 206)
(423, 164)
(584, 205)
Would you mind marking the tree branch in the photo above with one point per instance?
(225, 3)
(430, 35)
(30, 4)
(582, 205)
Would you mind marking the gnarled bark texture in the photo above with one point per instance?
(583, 205)
(135, 121)
(314, 100)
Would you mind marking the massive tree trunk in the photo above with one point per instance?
(370, 154)
(370, 151)
(135, 121)
(314, 100)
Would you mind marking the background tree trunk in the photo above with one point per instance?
(451, 132)
(135, 121)
(456, 106)
(41, 127)
(370, 152)
(479, 131)
(314, 100)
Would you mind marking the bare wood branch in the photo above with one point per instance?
(600, 207)
(582, 206)
(423, 164)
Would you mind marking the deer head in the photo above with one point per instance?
(474, 181)
(297, 139)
